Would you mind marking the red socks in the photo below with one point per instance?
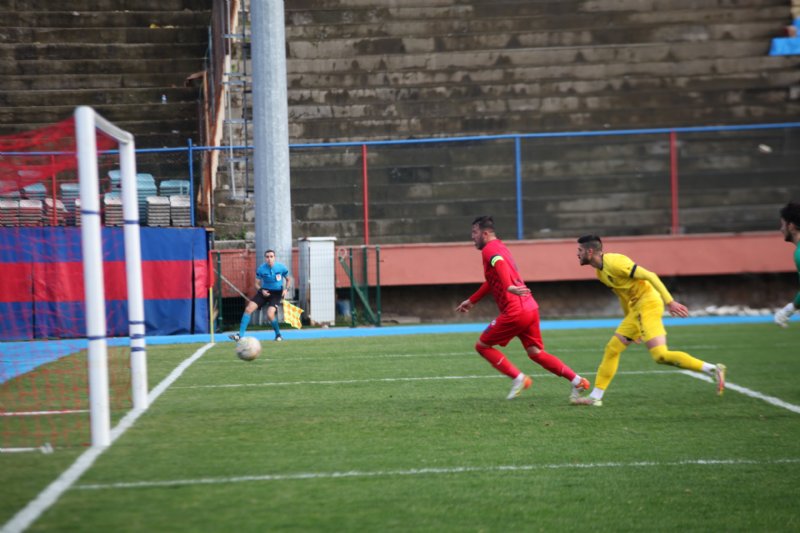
(553, 364)
(547, 361)
(498, 360)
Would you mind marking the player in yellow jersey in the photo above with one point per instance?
(643, 297)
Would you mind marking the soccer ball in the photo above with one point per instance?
(248, 348)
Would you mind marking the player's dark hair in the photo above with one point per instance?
(791, 213)
(591, 241)
(484, 222)
(268, 251)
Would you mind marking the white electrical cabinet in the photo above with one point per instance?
(316, 282)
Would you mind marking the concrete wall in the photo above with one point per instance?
(556, 259)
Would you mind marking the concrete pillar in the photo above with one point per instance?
(272, 201)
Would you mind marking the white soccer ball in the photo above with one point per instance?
(248, 348)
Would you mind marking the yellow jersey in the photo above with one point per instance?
(632, 283)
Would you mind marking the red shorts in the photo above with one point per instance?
(505, 327)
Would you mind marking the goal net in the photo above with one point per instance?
(71, 279)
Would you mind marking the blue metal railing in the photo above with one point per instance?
(190, 150)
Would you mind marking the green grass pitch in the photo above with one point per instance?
(413, 433)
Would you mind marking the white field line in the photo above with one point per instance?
(748, 392)
(728, 385)
(234, 360)
(328, 357)
(430, 472)
(31, 512)
(387, 380)
(392, 380)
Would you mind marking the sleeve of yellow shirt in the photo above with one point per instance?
(642, 273)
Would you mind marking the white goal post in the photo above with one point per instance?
(87, 122)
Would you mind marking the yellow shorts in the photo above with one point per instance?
(644, 320)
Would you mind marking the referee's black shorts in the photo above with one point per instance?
(273, 300)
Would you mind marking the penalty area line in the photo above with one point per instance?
(50, 495)
(429, 472)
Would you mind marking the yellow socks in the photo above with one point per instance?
(663, 356)
(609, 364)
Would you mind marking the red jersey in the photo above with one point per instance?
(500, 272)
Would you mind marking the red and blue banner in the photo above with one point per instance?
(42, 285)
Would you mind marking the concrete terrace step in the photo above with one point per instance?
(67, 82)
(581, 72)
(165, 36)
(427, 27)
(700, 34)
(169, 134)
(328, 212)
(107, 96)
(510, 58)
(548, 87)
(113, 112)
(105, 19)
(104, 5)
(444, 198)
(94, 51)
(333, 13)
(52, 115)
(547, 120)
(404, 230)
(471, 106)
(655, 5)
(535, 184)
(178, 67)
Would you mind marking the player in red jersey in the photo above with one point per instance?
(519, 313)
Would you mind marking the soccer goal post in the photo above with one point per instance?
(87, 122)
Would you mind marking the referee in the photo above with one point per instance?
(272, 283)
